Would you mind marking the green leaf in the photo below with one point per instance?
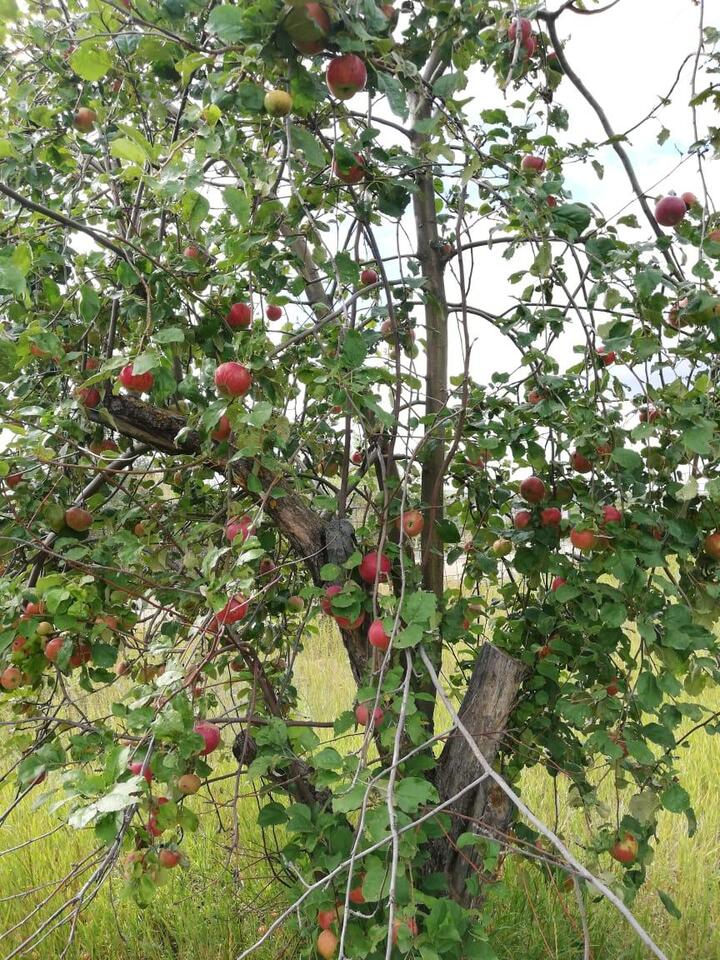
(272, 815)
(228, 23)
(194, 208)
(669, 904)
(419, 607)
(628, 459)
(170, 335)
(304, 141)
(89, 303)
(260, 414)
(697, 438)
(123, 148)
(413, 792)
(91, 61)
(238, 203)
(354, 349)
(675, 798)
(395, 93)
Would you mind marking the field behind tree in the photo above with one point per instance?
(214, 910)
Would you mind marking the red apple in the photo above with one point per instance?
(327, 944)
(582, 539)
(307, 26)
(606, 357)
(326, 601)
(357, 457)
(78, 519)
(210, 734)
(550, 517)
(356, 894)
(551, 201)
(34, 608)
(13, 480)
(88, 396)
(532, 164)
(372, 563)
(326, 918)
(168, 858)
(611, 514)
(10, 678)
(625, 850)
(84, 119)
(711, 545)
(532, 489)
(377, 637)
(296, 604)
(346, 75)
(82, 653)
(223, 429)
(522, 519)
(53, 648)
(239, 316)
(362, 715)
(412, 523)
(557, 583)
(410, 923)
(670, 210)
(368, 277)
(136, 767)
(273, 312)
(523, 26)
(604, 449)
(528, 47)
(648, 414)
(194, 252)
(136, 382)
(232, 379)
(689, 199)
(612, 688)
(350, 175)
(534, 397)
(579, 462)
(234, 610)
(241, 526)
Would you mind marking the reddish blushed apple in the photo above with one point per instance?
(557, 583)
(10, 678)
(521, 25)
(374, 566)
(711, 545)
(239, 316)
(362, 715)
(273, 312)
(532, 164)
(210, 734)
(582, 539)
(89, 396)
(532, 489)
(168, 858)
(413, 523)
(550, 517)
(611, 514)
(136, 767)
(307, 25)
(377, 637)
(350, 175)
(136, 382)
(84, 119)
(626, 850)
(232, 379)
(327, 944)
(522, 519)
(579, 462)
(346, 75)
(670, 210)
(223, 429)
(368, 277)
(78, 519)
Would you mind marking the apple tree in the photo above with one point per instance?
(244, 258)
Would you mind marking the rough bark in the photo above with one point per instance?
(485, 711)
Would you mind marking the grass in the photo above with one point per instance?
(213, 910)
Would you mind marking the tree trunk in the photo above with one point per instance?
(485, 711)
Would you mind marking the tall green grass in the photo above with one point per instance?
(214, 909)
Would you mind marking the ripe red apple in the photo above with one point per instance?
(582, 539)
(136, 767)
(239, 526)
(296, 604)
(10, 678)
(625, 850)
(391, 13)
(532, 489)
(239, 316)
(356, 895)
(501, 547)
(136, 382)
(522, 519)
(82, 653)
(670, 210)
(612, 688)
(223, 429)
(193, 252)
(377, 637)
(579, 462)
(604, 449)
(189, 783)
(372, 563)
(84, 119)
(532, 164)
(168, 858)
(551, 201)
(53, 648)
(273, 312)
(326, 601)
(346, 75)
(368, 277)
(528, 47)
(278, 103)
(409, 922)
(13, 480)
(350, 175)
(210, 734)
(550, 517)
(234, 610)
(89, 396)
(544, 651)
(523, 26)
(357, 457)
(606, 357)
(689, 199)
(534, 397)
(78, 519)
(362, 715)
(648, 414)
(611, 514)
(326, 918)
(413, 523)
(711, 545)
(307, 26)
(557, 583)
(327, 944)
(232, 379)
(34, 609)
